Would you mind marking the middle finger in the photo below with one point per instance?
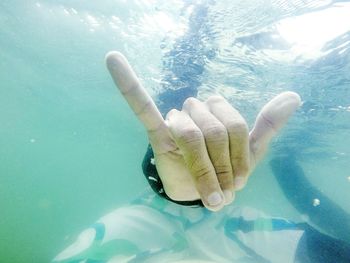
(238, 133)
(217, 143)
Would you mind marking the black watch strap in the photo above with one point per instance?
(152, 176)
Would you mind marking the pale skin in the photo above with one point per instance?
(205, 151)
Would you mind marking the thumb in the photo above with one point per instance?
(273, 116)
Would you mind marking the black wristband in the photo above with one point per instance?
(152, 176)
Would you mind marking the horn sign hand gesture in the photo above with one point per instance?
(205, 151)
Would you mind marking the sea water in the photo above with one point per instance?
(71, 149)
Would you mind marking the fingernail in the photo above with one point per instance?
(240, 182)
(228, 196)
(214, 199)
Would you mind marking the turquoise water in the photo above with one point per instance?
(70, 148)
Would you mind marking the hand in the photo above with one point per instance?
(204, 151)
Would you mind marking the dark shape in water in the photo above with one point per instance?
(328, 217)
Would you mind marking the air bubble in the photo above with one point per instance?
(316, 202)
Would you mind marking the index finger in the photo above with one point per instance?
(134, 93)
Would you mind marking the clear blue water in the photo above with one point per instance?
(70, 148)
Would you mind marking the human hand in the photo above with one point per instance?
(205, 151)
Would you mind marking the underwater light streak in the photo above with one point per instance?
(308, 33)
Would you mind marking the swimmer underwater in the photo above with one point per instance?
(201, 154)
(198, 158)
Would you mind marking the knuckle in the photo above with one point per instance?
(201, 174)
(225, 180)
(243, 166)
(215, 132)
(268, 120)
(237, 160)
(239, 127)
(223, 170)
(189, 135)
(144, 108)
(189, 102)
(198, 168)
